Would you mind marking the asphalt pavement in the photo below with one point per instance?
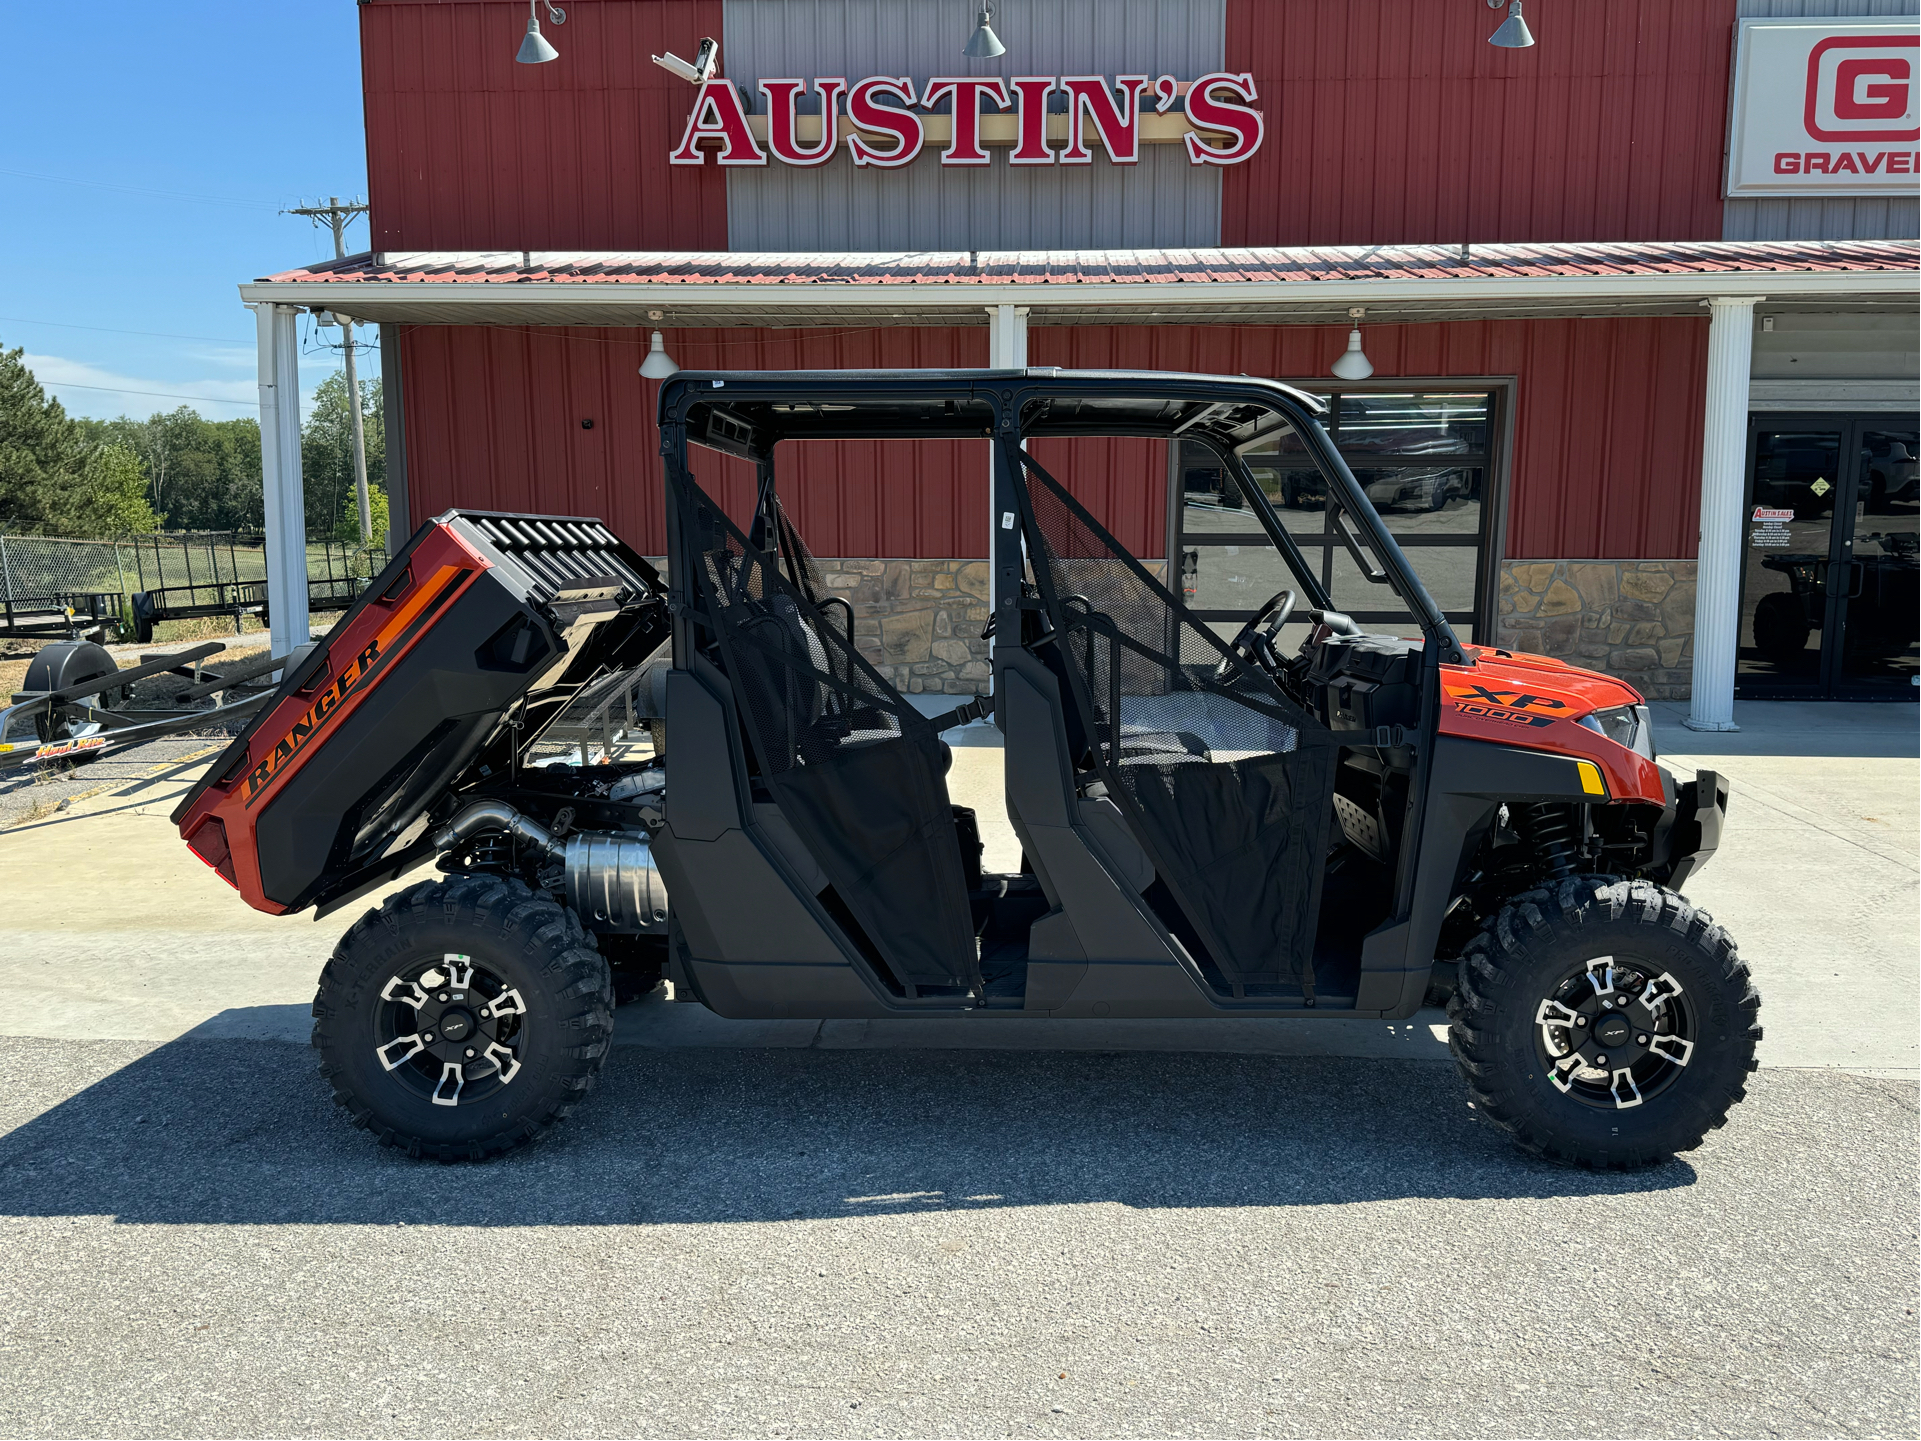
(1036, 1228)
(880, 1243)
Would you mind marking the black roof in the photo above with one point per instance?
(748, 412)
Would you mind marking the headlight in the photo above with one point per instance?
(1626, 725)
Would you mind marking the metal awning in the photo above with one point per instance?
(1302, 285)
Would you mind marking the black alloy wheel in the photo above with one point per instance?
(1614, 1035)
(450, 1030)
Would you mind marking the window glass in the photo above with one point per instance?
(1353, 591)
(1425, 424)
(1425, 500)
(1234, 577)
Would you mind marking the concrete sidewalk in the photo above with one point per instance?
(117, 932)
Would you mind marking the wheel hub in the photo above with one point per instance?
(452, 1031)
(1613, 1034)
(456, 1024)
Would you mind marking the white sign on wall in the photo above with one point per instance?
(1825, 107)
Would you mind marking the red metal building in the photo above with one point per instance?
(1531, 242)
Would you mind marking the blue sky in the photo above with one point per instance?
(148, 150)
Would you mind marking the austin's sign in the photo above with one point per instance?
(884, 121)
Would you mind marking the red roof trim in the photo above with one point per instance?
(1097, 267)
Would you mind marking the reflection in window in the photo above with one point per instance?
(1423, 424)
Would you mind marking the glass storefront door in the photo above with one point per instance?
(1829, 601)
(1425, 458)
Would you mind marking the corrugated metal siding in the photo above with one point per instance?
(1395, 121)
(494, 418)
(1606, 463)
(1781, 217)
(467, 150)
(1163, 201)
(1607, 437)
(493, 421)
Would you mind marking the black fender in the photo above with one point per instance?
(1468, 781)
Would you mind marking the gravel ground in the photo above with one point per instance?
(33, 792)
(939, 1243)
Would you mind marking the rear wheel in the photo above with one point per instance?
(463, 1018)
(1604, 1023)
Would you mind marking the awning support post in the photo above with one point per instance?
(1006, 350)
(283, 494)
(1724, 456)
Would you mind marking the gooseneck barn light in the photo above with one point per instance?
(984, 44)
(1513, 34)
(534, 49)
(659, 364)
(1354, 364)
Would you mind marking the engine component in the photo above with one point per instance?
(613, 884)
(639, 784)
(611, 880)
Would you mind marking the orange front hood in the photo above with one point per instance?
(1534, 701)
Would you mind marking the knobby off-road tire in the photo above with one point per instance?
(533, 1056)
(1535, 955)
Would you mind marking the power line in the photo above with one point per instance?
(110, 330)
(142, 190)
(163, 394)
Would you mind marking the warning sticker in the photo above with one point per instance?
(1820, 486)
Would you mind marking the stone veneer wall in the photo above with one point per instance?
(1630, 618)
(918, 621)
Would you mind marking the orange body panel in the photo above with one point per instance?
(361, 652)
(1534, 702)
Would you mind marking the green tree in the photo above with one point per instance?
(56, 476)
(347, 530)
(201, 474)
(327, 457)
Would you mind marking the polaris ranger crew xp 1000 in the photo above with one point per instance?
(1283, 813)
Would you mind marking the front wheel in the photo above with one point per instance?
(1604, 1023)
(463, 1018)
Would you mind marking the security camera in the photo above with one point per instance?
(706, 61)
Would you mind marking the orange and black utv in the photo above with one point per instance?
(1274, 812)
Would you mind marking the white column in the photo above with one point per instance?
(283, 494)
(1006, 350)
(1724, 456)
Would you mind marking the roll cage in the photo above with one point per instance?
(747, 414)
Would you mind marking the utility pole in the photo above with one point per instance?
(337, 216)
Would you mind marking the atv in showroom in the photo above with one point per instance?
(1284, 815)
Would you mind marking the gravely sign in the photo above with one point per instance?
(882, 120)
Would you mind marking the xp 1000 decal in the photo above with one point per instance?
(1514, 707)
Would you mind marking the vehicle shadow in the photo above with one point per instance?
(239, 1131)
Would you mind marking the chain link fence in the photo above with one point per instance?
(200, 571)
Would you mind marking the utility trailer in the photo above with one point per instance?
(1285, 817)
(68, 612)
(77, 704)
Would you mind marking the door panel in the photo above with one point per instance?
(1793, 479)
(1881, 606)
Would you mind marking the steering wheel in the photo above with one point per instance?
(1255, 643)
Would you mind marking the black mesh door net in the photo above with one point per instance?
(856, 770)
(1227, 782)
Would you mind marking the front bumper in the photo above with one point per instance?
(1694, 834)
